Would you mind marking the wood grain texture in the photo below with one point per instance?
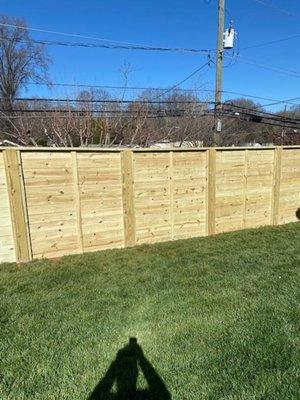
(152, 197)
(171, 190)
(211, 191)
(18, 210)
(100, 185)
(7, 248)
(230, 191)
(289, 201)
(245, 180)
(189, 194)
(77, 204)
(128, 198)
(79, 200)
(50, 200)
(276, 186)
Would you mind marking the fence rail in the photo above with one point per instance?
(55, 202)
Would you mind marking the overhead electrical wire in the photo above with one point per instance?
(195, 115)
(278, 124)
(227, 108)
(195, 90)
(141, 47)
(271, 42)
(108, 115)
(258, 113)
(278, 118)
(113, 45)
(280, 70)
(151, 101)
(284, 102)
(66, 100)
(183, 80)
(277, 8)
(66, 34)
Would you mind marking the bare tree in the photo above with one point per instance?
(21, 60)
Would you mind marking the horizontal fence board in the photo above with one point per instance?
(80, 199)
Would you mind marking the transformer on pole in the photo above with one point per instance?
(225, 41)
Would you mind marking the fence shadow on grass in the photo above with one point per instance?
(124, 371)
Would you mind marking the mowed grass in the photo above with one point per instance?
(218, 318)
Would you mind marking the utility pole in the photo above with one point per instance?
(219, 71)
(283, 130)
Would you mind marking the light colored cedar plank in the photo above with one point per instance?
(245, 180)
(7, 252)
(127, 165)
(171, 194)
(17, 203)
(211, 191)
(77, 202)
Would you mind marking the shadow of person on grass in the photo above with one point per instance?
(124, 371)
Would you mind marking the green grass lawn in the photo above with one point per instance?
(215, 318)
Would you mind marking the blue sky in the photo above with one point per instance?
(176, 23)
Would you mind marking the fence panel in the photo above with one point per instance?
(50, 203)
(289, 185)
(100, 192)
(55, 202)
(188, 200)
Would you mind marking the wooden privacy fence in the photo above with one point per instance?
(61, 201)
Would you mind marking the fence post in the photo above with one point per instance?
(17, 203)
(245, 180)
(171, 188)
(276, 185)
(211, 192)
(128, 198)
(77, 200)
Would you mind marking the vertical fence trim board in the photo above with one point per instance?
(211, 191)
(171, 188)
(127, 167)
(18, 209)
(77, 203)
(245, 181)
(276, 186)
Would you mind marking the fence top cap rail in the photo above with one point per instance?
(141, 150)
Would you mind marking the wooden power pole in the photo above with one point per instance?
(219, 71)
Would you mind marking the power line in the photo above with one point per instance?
(66, 34)
(275, 7)
(111, 46)
(147, 102)
(178, 115)
(108, 115)
(260, 98)
(160, 94)
(284, 102)
(279, 70)
(153, 89)
(227, 107)
(271, 42)
(184, 80)
(66, 100)
(116, 45)
(276, 118)
(117, 87)
(269, 115)
(85, 112)
(279, 124)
